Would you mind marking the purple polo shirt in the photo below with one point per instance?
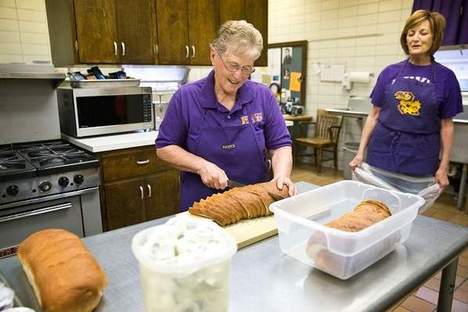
(446, 85)
(187, 107)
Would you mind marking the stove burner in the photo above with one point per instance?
(9, 159)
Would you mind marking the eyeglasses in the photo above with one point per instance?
(234, 67)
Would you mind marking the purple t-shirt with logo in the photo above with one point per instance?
(447, 87)
(187, 107)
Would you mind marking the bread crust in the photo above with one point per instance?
(245, 202)
(61, 270)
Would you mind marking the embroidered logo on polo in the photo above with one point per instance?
(257, 117)
(408, 104)
(244, 120)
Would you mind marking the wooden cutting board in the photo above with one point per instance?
(247, 232)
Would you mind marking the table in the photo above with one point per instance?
(264, 279)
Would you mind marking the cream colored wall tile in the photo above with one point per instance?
(364, 51)
(348, 3)
(364, 60)
(7, 4)
(389, 5)
(8, 13)
(347, 32)
(391, 16)
(407, 5)
(365, 30)
(9, 37)
(369, 19)
(31, 4)
(347, 22)
(35, 49)
(37, 58)
(33, 27)
(10, 48)
(10, 58)
(347, 12)
(329, 15)
(9, 25)
(388, 28)
(342, 43)
(34, 38)
(366, 41)
(389, 39)
(329, 24)
(329, 5)
(32, 15)
(369, 8)
(367, 1)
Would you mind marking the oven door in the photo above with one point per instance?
(19, 222)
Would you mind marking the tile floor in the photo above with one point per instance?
(425, 297)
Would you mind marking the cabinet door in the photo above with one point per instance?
(135, 28)
(202, 24)
(256, 12)
(96, 31)
(174, 47)
(231, 10)
(124, 203)
(162, 197)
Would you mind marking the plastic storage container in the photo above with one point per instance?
(184, 265)
(303, 236)
(349, 152)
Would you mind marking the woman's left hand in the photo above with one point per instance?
(282, 181)
(442, 178)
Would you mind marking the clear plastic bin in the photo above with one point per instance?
(303, 236)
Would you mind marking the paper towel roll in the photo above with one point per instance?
(359, 76)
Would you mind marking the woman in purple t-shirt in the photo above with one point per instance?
(410, 124)
(224, 126)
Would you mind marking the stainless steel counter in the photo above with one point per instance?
(264, 279)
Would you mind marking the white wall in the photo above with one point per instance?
(24, 36)
(361, 34)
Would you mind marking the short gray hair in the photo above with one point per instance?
(239, 37)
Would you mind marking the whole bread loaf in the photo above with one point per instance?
(363, 215)
(239, 203)
(63, 273)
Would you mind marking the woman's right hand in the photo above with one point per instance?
(213, 176)
(357, 161)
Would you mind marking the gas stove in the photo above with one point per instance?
(35, 170)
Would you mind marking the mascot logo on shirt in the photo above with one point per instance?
(244, 120)
(408, 104)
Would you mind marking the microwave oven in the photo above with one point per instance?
(96, 111)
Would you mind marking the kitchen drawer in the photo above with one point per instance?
(131, 163)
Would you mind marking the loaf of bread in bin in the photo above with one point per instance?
(365, 214)
(239, 203)
(63, 273)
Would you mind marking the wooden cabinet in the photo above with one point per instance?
(137, 187)
(253, 11)
(185, 30)
(102, 31)
(169, 32)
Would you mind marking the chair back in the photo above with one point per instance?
(328, 126)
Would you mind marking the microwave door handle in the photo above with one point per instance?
(35, 212)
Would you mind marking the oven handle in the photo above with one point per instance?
(36, 212)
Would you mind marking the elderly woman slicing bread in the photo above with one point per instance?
(224, 125)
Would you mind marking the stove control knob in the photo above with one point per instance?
(12, 190)
(63, 181)
(45, 186)
(78, 179)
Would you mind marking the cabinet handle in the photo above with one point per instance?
(149, 190)
(116, 52)
(156, 49)
(141, 192)
(187, 52)
(123, 48)
(142, 162)
(193, 51)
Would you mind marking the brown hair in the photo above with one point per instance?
(437, 22)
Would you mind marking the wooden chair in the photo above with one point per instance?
(326, 136)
